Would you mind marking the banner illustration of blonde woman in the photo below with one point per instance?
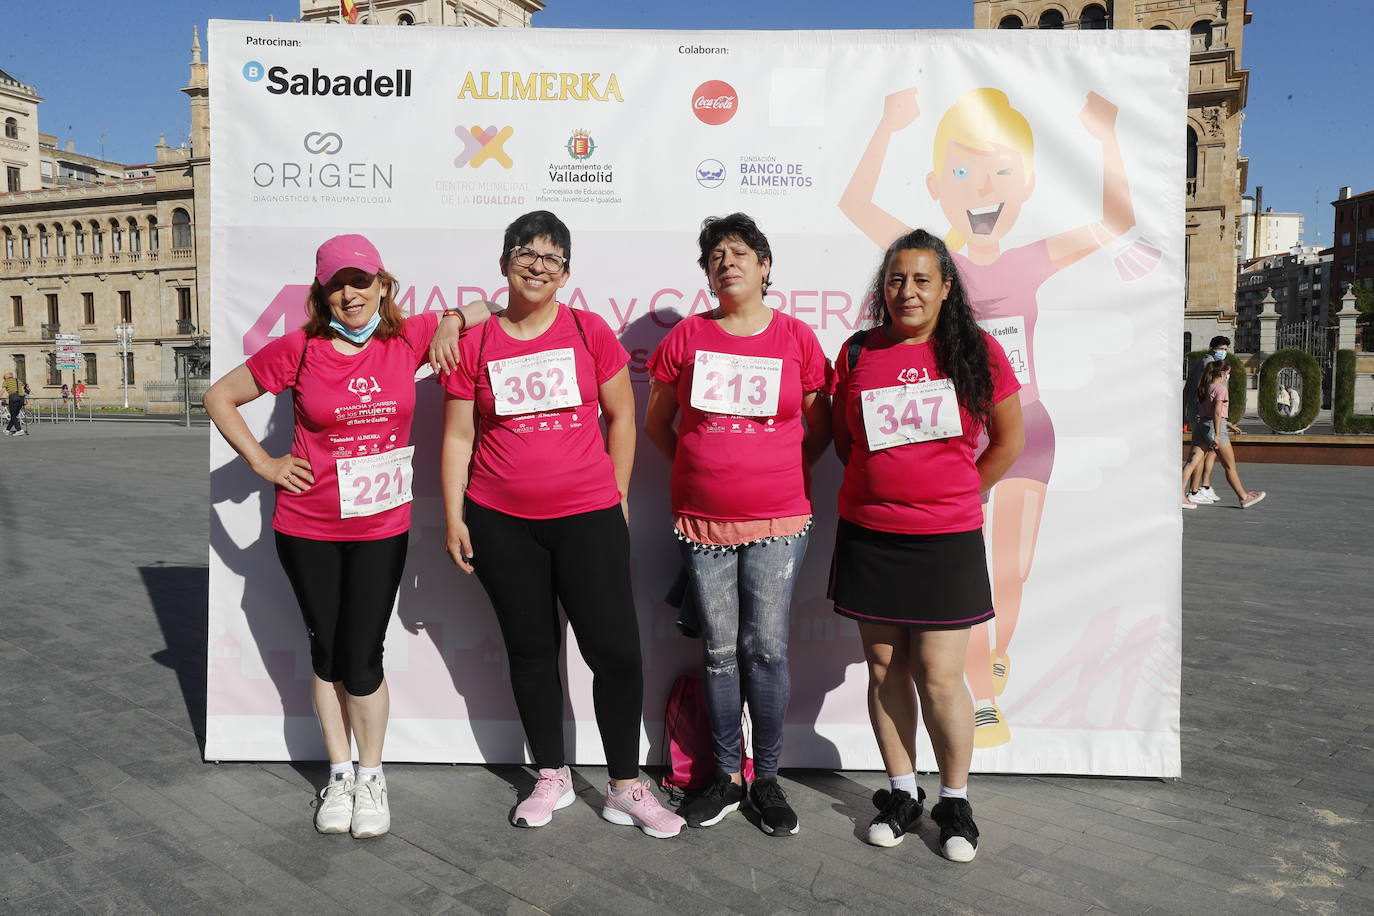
(982, 174)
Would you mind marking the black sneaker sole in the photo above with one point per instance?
(711, 822)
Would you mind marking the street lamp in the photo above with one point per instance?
(125, 334)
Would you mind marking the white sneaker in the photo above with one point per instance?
(1204, 495)
(371, 814)
(335, 811)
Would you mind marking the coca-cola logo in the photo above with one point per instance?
(715, 102)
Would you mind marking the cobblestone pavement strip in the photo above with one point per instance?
(107, 807)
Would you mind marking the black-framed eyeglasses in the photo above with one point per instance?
(525, 257)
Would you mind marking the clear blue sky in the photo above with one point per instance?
(1308, 127)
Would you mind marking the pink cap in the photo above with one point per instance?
(346, 251)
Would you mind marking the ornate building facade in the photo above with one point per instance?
(515, 13)
(1217, 90)
(92, 247)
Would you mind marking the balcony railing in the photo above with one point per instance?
(185, 326)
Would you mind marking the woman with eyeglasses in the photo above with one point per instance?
(750, 384)
(537, 507)
(343, 494)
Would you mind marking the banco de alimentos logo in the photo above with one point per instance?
(482, 145)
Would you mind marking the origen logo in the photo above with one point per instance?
(715, 102)
(710, 173)
(326, 143)
(482, 144)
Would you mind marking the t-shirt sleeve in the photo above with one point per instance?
(275, 366)
(1004, 383)
(815, 368)
(419, 331)
(608, 355)
(462, 382)
(665, 364)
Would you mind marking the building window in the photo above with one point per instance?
(61, 243)
(97, 240)
(128, 367)
(1192, 157)
(1369, 235)
(126, 307)
(80, 240)
(1051, 19)
(116, 239)
(1010, 22)
(9, 245)
(183, 303)
(181, 228)
(21, 368)
(11, 129)
(42, 242)
(25, 244)
(1094, 16)
(1202, 34)
(17, 304)
(154, 237)
(12, 178)
(54, 375)
(135, 239)
(1345, 238)
(88, 307)
(405, 19)
(54, 312)
(92, 377)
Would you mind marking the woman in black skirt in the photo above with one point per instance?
(912, 396)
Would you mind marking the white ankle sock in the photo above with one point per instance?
(364, 772)
(337, 769)
(906, 783)
(947, 792)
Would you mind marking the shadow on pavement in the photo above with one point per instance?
(180, 598)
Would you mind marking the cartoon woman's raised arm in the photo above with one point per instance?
(1118, 214)
(899, 110)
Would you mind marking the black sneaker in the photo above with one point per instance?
(958, 832)
(776, 816)
(707, 809)
(898, 813)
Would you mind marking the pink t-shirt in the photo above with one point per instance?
(732, 467)
(344, 406)
(1004, 291)
(552, 463)
(929, 487)
(1217, 393)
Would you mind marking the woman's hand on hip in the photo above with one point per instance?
(288, 472)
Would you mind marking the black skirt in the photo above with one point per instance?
(936, 581)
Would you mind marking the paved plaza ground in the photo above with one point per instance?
(107, 807)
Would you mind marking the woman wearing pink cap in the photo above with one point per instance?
(342, 514)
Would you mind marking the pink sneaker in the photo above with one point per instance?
(1251, 498)
(552, 790)
(637, 805)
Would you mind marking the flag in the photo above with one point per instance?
(348, 9)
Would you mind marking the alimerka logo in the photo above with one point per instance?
(281, 81)
(540, 87)
(481, 144)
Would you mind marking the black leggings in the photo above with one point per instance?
(346, 590)
(528, 566)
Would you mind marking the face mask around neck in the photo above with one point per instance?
(361, 335)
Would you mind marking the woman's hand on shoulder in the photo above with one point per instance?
(288, 472)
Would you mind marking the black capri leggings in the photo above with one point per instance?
(528, 566)
(346, 590)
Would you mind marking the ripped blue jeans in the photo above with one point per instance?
(745, 595)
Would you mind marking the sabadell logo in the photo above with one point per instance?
(715, 102)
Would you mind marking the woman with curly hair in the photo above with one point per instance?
(912, 396)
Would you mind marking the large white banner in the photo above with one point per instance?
(1053, 161)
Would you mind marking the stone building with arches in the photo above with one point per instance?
(99, 246)
(515, 13)
(1217, 87)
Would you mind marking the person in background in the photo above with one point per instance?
(79, 392)
(66, 393)
(1200, 484)
(343, 493)
(1210, 432)
(14, 397)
